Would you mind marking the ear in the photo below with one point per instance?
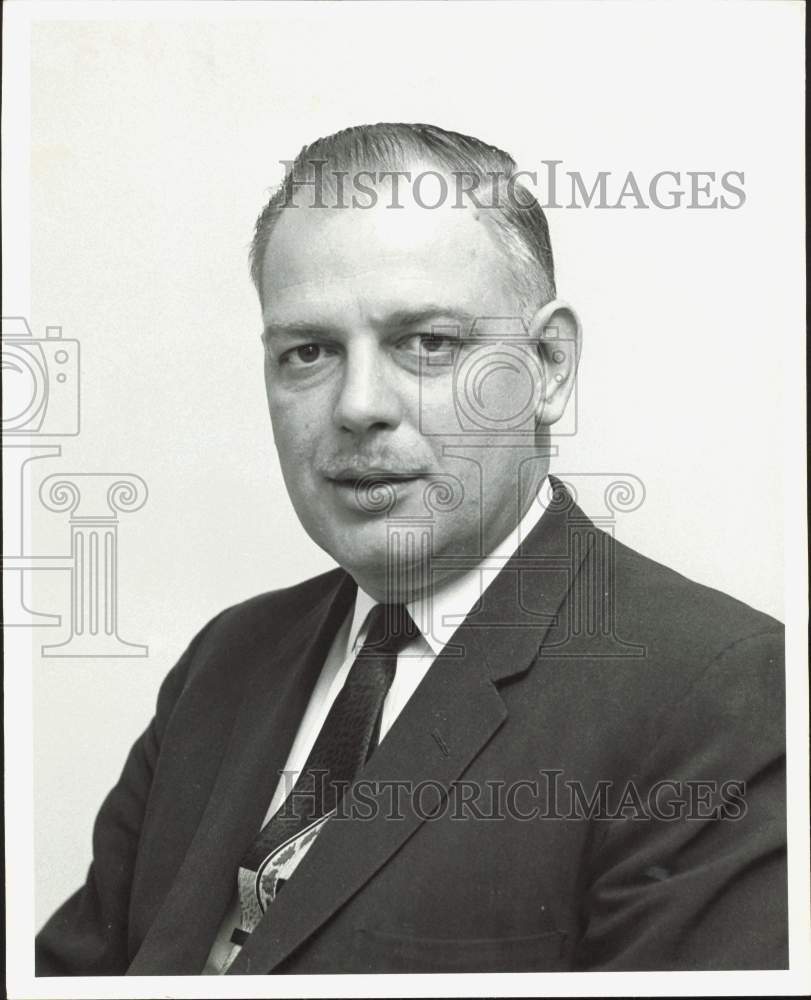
(557, 333)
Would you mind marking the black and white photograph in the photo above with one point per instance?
(404, 499)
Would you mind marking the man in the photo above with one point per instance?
(493, 739)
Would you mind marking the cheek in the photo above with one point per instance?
(493, 390)
(295, 418)
(434, 411)
(292, 438)
(506, 398)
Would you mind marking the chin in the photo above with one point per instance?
(384, 575)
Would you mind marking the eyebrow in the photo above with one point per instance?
(399, 319)
(423, 316)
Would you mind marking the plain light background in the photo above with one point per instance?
(154, 144)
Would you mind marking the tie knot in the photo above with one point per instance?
(391, 628)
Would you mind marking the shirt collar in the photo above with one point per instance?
(439, 614)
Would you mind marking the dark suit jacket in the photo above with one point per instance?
(583, 658)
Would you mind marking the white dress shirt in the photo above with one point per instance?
(437, 617)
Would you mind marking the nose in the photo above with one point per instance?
(367, 400)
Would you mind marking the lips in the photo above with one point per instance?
(366, 477)
(373, 492)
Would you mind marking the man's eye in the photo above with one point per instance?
(303, 355)
(432, 344)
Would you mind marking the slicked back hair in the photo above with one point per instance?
(487, 171)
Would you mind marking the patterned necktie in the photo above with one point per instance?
(347, 738)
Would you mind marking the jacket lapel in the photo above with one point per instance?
(452, 715)
(281, 680)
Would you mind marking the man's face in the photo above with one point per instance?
(364, 398)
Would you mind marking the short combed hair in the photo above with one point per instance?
(519, 220)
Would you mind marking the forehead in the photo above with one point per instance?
(323, 263)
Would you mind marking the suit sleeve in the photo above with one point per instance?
(701, 884)
(88, 934)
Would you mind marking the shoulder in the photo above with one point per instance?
(232, 639)
(709, 663)
(280, 604)
(675, 664)
(664, 606)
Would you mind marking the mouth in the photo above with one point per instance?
(366, 478)
(373, 491)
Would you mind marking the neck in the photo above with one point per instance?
(405, 579)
